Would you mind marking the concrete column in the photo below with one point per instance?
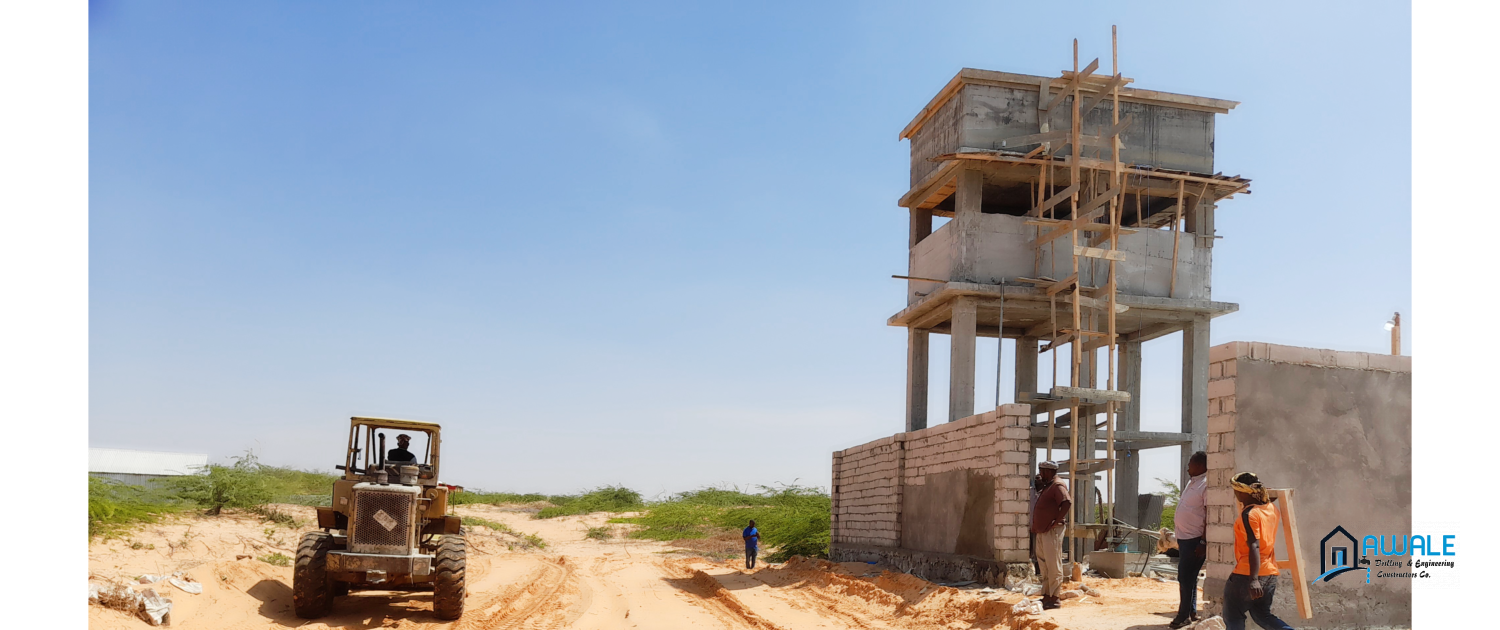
(1084, 504)
(921, 226)
(961, 369)
(1026, 365)
(1128, 462)
(966, 210)
(1191, 216)
(1194, 388)
(1026, 381)
(916, 379)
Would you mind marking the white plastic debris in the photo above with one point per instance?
(155, 608)
(187, 585)
(1212, 623)
(150, 579)
(1027, 607)
(1069, 595)
(1031, 589)
(1089, 590)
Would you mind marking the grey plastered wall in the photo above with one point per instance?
(981, 116)
(1336, 426)
(1005, 250)
(953, 512)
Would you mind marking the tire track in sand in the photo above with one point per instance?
(528, 602)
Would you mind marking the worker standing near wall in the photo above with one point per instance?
(1191, 522)
(1048, 518)
(1252, 586)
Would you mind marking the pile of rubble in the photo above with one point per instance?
(147, 604)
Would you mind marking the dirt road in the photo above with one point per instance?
(582, 583)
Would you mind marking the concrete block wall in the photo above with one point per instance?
(867, 493)
(870, 480)
(1337, 427)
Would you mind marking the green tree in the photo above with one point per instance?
(1174, 492)
(237, 486)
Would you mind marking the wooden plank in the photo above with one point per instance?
(1087, 162)
(1088, 105)
(1050, 137)
(1087, 214)
(1091, 395)
(1099, 343)
(1176, 225)
(1045, 222)
(919, 279)
(1056, 343)
(1294, 549)
(1035, 138)
(1091, 227)
(1119, 127)
(1072, 85)
(1095, 252)
(1084, 333)
(1095, 206)
(1054, 200)
(930, 184)
(1060, 285)
(953, 86)
(1104, 238)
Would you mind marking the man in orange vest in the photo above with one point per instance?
(1252, 586)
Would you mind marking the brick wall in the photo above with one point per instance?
(866, 493)
(868, 480)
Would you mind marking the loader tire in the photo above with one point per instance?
(448, 578)
(312, 591)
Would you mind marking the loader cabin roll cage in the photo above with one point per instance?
(370, 439)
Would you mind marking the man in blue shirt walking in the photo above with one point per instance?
(752, 541)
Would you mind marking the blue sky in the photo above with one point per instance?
(650, 244)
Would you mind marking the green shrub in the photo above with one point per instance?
(114, 506)
(599, 533)
(606, 499)
(493, 498)
(527, 541)
(793, 520)
(277, 559)
(249, 484)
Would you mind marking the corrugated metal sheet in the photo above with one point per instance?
(114, 460)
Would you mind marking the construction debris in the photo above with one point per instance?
(148, 605)
(1027, 607)
(1212, 623)
(187, 585)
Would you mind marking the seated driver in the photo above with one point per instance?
(400, 454)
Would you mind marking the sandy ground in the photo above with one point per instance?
(578, 582)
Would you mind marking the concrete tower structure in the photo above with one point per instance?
(1079, 222)
(983, 157)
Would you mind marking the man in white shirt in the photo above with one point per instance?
(1191, 521)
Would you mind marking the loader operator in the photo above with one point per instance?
(400, 454)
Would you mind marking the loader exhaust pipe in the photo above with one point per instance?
(380, 477)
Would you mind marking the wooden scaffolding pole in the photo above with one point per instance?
(1075, 130)
(1114, 240)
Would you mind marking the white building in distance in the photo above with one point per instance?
(138, 467)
